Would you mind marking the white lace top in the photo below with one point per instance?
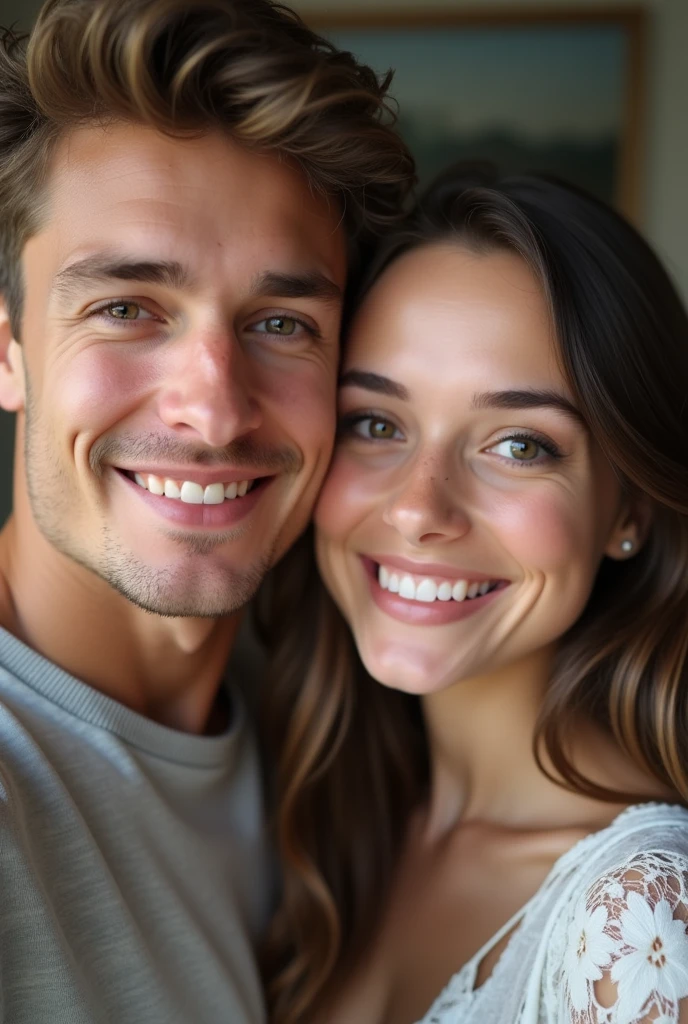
(612, 906)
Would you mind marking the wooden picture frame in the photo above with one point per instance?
(621, 30)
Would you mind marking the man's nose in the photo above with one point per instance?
(210, 393)
(426, 507)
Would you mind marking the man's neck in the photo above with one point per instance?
(168, 669)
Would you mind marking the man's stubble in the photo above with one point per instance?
(206, 591)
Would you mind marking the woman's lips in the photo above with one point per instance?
(429, 610)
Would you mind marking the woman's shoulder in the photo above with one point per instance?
(620, 951)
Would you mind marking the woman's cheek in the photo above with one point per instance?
(348, 495)
(542, 531)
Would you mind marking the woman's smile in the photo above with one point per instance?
(430, 595)
(466, 491)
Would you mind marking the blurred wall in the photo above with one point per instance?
(665, 171)
(665, 214)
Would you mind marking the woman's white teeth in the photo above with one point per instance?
(426, 591)
(429, 590)
(193, 493)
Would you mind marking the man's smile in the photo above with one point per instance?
(189, 503)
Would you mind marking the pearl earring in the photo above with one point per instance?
(627, 546)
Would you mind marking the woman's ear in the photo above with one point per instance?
(12, 379)
(631, 528)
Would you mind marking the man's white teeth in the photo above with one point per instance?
(193, 493)
(214, 494)
(428, 590)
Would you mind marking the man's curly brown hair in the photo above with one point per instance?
(250, 68)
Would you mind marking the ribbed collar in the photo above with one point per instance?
(95, 708)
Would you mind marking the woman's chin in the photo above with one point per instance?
(412, 670)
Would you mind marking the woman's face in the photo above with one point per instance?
(467, 508)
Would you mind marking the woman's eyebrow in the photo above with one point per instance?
(526, 398)
(374, 382)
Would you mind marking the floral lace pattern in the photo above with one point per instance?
(632, 925)
(604, 941)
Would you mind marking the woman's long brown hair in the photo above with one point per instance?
(349, 755)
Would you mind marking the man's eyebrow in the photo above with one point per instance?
(310, 285)
(374, 382)
(527, 398)
(108, 266)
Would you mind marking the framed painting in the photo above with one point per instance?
(531, 90)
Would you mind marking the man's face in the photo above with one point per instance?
(179, 335)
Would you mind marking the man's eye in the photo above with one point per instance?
(125, 311)
(284, 325)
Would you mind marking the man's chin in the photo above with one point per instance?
(204, 595)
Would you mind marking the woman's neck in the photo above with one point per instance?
(483, 768)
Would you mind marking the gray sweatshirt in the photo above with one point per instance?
(134, 870)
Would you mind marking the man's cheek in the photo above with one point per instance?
(97, 390)
(305, 408)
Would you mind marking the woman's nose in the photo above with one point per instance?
(426, 509)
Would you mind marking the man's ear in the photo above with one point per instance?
(12, 379)
(631, 528)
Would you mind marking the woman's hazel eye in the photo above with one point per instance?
(520, 448)
(378, 430)
(280, 325)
